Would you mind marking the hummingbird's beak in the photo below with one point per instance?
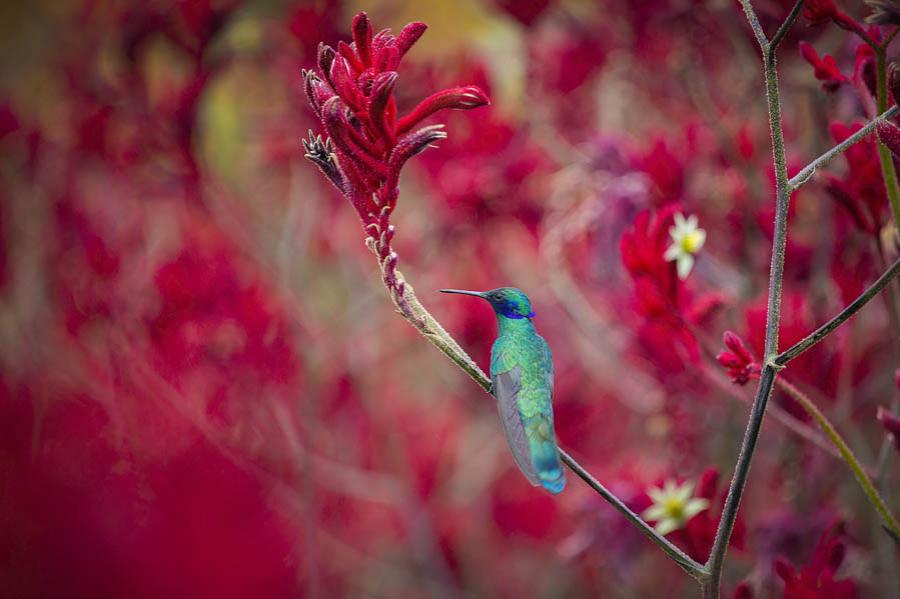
(463, 292)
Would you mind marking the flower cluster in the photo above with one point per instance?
(352, 93)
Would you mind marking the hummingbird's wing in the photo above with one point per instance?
(506, 387)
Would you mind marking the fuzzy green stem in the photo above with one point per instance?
(846, 453)
(809, 170)
(884, 154)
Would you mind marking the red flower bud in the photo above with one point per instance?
(738, 360)
(412, 144)
(382, 94)
(819, 12)
(362, 37)
(825, 68)
(461, 98)
(409, 35)
(889, 135)
(324, 58)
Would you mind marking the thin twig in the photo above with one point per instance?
(809, 170)
(785, 26)
(868, 488)
(854, 307)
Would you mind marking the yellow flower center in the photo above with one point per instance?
(674, 508)
(691, 242)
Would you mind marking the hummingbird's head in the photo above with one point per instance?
(506, 301)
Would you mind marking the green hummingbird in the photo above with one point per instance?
(522, 382)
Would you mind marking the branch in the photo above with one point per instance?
(889, 174)
(844, 315)
(755, 26)
(773, 314)
(809, 170)
(413, 311)
(868, 488)
(785, 26)
(678, 556)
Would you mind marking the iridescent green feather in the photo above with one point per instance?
(522, 368)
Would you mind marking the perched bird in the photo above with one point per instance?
(522, 378)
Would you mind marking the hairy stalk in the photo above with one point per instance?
(773, 314)
(809, 170)
(844, 315)
(884, 154)
(846, 453)
(413, 311)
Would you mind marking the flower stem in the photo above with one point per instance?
(773, 313)
(809, 170)
(844, 315)
(846, 453)
(884, 154)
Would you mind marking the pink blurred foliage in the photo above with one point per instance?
(206, 392)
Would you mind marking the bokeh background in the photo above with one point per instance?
(205, 391)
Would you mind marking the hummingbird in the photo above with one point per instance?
(522, 383)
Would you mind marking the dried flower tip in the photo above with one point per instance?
(884, 12)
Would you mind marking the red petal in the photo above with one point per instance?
(409, 35)
(461, 98)
(362, 36)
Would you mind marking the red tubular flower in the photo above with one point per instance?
(817, 579)
(738, 359)
(352, 93)
(825, 68)
(819, 12)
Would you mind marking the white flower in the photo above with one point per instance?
(673, 506)
(687, 240)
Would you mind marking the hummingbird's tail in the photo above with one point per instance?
(545, 457)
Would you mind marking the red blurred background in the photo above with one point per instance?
(205, 391)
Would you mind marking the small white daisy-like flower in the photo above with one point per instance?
(687, 240)
(673, 505)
